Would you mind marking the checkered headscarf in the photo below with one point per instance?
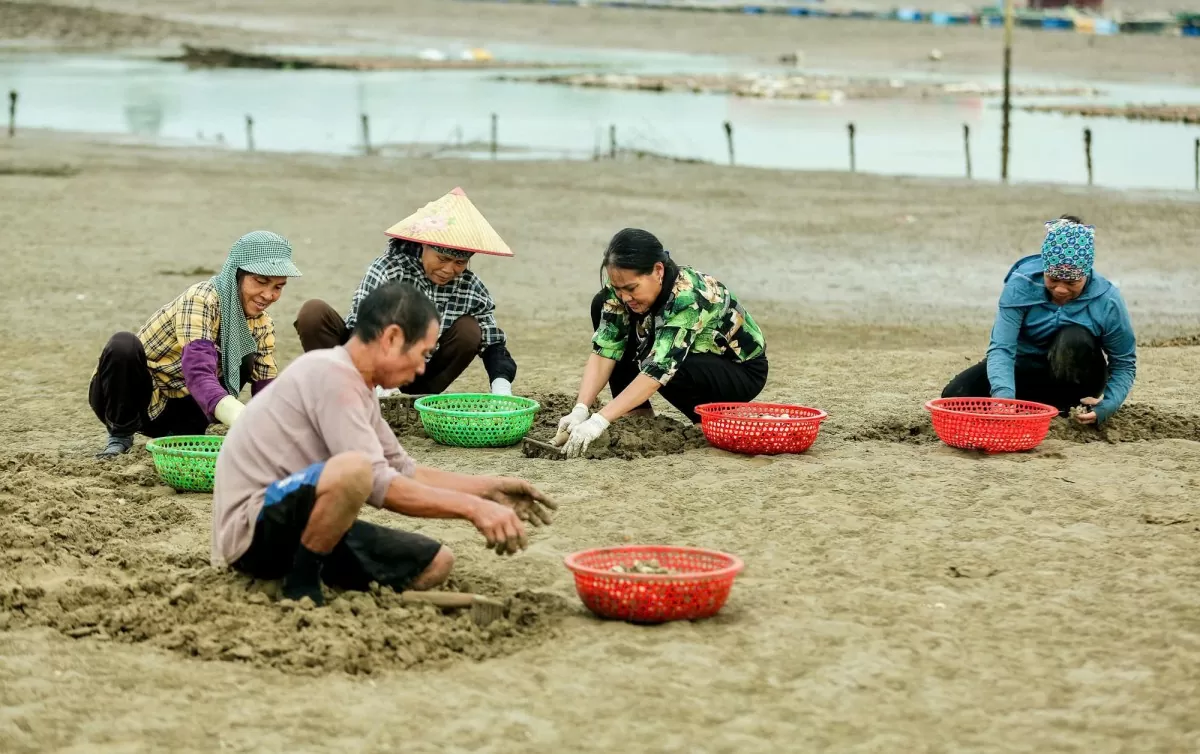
(1069, 250)
(260, 252)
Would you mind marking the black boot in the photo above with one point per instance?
(304, 580)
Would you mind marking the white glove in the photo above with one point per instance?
(578, 416)
(583, 435)
(228, 410)
(501, 386)
(381, 392)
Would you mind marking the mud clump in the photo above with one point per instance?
(402, 416)
(215, 615)
(631, 437)
(114, 531)
(1131, 423)
(1183, 341)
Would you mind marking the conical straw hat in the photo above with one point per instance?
(454, 223)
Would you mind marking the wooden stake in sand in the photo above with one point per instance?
(967, 147)
(495, 134)
(1087, 152)
(1007, 105)
(366, 134)
(729, 139)
(12, 113)
(249, 134)
(1198, 164)
(612, 142)
(850, 128)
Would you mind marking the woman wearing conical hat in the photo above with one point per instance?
(431, 249)
(186, 366)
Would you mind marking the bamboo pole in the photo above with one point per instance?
(967, 147)
(1007, 105)
(1087, 152)
(495, 134)
(853, 166)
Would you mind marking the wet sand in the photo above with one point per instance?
(898, 595)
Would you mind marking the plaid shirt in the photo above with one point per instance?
(465, 296)
(195, 315)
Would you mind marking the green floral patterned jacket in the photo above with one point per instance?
(699, 316)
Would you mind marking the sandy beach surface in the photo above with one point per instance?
(898, 595)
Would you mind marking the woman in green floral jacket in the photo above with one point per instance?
(662, 327)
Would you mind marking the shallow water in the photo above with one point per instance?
(320, 111)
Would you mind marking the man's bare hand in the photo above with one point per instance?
(500, 526)
(527, 501)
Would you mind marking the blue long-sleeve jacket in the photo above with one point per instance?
(1028, 319)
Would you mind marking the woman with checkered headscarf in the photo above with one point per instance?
(185, 367)
(431, 249)
(1062, 334)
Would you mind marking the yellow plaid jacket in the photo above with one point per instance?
(195, 315)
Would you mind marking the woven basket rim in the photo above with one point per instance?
(424, 405)
(735, 567)
(162, 446)
(1045, 411)
(717, 411)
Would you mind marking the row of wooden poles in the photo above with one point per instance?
(612, 140)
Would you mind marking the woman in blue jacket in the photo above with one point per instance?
(1062, 334)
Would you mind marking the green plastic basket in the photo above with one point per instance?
(476, 420)
(186, 462)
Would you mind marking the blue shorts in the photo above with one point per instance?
(366, 553)
(278, 491)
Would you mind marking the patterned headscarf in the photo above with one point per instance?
(1069, 250)
(260, 252)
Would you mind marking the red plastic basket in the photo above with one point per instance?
(760, 428)
(994, 425)
(698, 590)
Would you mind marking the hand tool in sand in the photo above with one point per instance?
(484, 610)
(538, 449)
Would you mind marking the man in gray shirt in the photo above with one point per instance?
(309, 450)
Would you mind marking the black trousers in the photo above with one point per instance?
(701, 378)
(320, 326)
(120, 393)
(1074, 368)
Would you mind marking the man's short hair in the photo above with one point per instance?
(395, 303)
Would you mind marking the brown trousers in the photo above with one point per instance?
(320, 326)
